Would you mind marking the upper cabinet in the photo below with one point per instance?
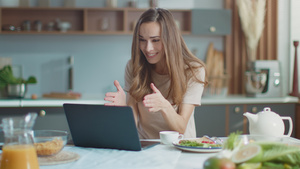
(43, 20)
(26, 20)
(211, 21)
(58, 20)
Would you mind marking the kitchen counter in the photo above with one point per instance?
(236, 99)
(239, 99)
(49, 102)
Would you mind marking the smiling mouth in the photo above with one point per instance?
(151, 55)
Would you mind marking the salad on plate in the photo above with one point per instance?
(203, 144)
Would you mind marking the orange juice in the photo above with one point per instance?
(19, 157)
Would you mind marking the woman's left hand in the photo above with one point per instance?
(155, 101)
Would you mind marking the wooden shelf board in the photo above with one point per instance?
(83, 20)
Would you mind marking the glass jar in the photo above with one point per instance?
(26, 25)
(38, 25)
(18, 150)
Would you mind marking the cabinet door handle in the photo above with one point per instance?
(212, 29)
(254, 109)
(237, 109)
(42, 113)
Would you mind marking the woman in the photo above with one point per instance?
(164, 81)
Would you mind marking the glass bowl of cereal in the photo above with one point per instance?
(49, 142)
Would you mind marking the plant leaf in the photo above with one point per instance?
(31, 80)
(7, 77)
(279, 152)
(232, 140)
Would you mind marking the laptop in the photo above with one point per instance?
(102, 126)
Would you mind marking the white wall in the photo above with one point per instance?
(294, 35)
(283, 42)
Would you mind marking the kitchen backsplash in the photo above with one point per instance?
(98, 59)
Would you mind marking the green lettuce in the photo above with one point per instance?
(232, 141)
(190, 143)
(280, 153)
(274, 154)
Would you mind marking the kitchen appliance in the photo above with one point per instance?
(265, 80)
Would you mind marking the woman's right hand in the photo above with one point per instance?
(116, 98)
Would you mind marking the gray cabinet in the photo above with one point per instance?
(211, 21)
(50, 118)
(210, 120)
(221, 120)
(287, 109)
(236, 118)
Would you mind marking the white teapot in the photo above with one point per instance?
(268, 123)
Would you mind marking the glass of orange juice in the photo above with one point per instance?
(18, 151)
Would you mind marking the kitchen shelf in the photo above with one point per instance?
(83, 20)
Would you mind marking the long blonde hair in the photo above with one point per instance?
(178, 58)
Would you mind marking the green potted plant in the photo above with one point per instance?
(15, 87)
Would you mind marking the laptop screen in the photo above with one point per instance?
(102, 126)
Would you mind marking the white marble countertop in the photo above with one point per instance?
(237, 99)
(50, 102)
(157, 157)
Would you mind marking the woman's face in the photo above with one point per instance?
(150, 42)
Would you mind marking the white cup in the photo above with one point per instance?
(168, 137)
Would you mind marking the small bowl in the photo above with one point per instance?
(49, 142)
(64, 26)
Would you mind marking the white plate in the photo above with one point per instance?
(60, 158)
(197, 149)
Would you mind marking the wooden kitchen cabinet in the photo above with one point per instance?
(83, 20)
(16, 17)
(113, 18)
(50, 118)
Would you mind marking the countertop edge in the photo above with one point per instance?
(205, 101)
(248, 100)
